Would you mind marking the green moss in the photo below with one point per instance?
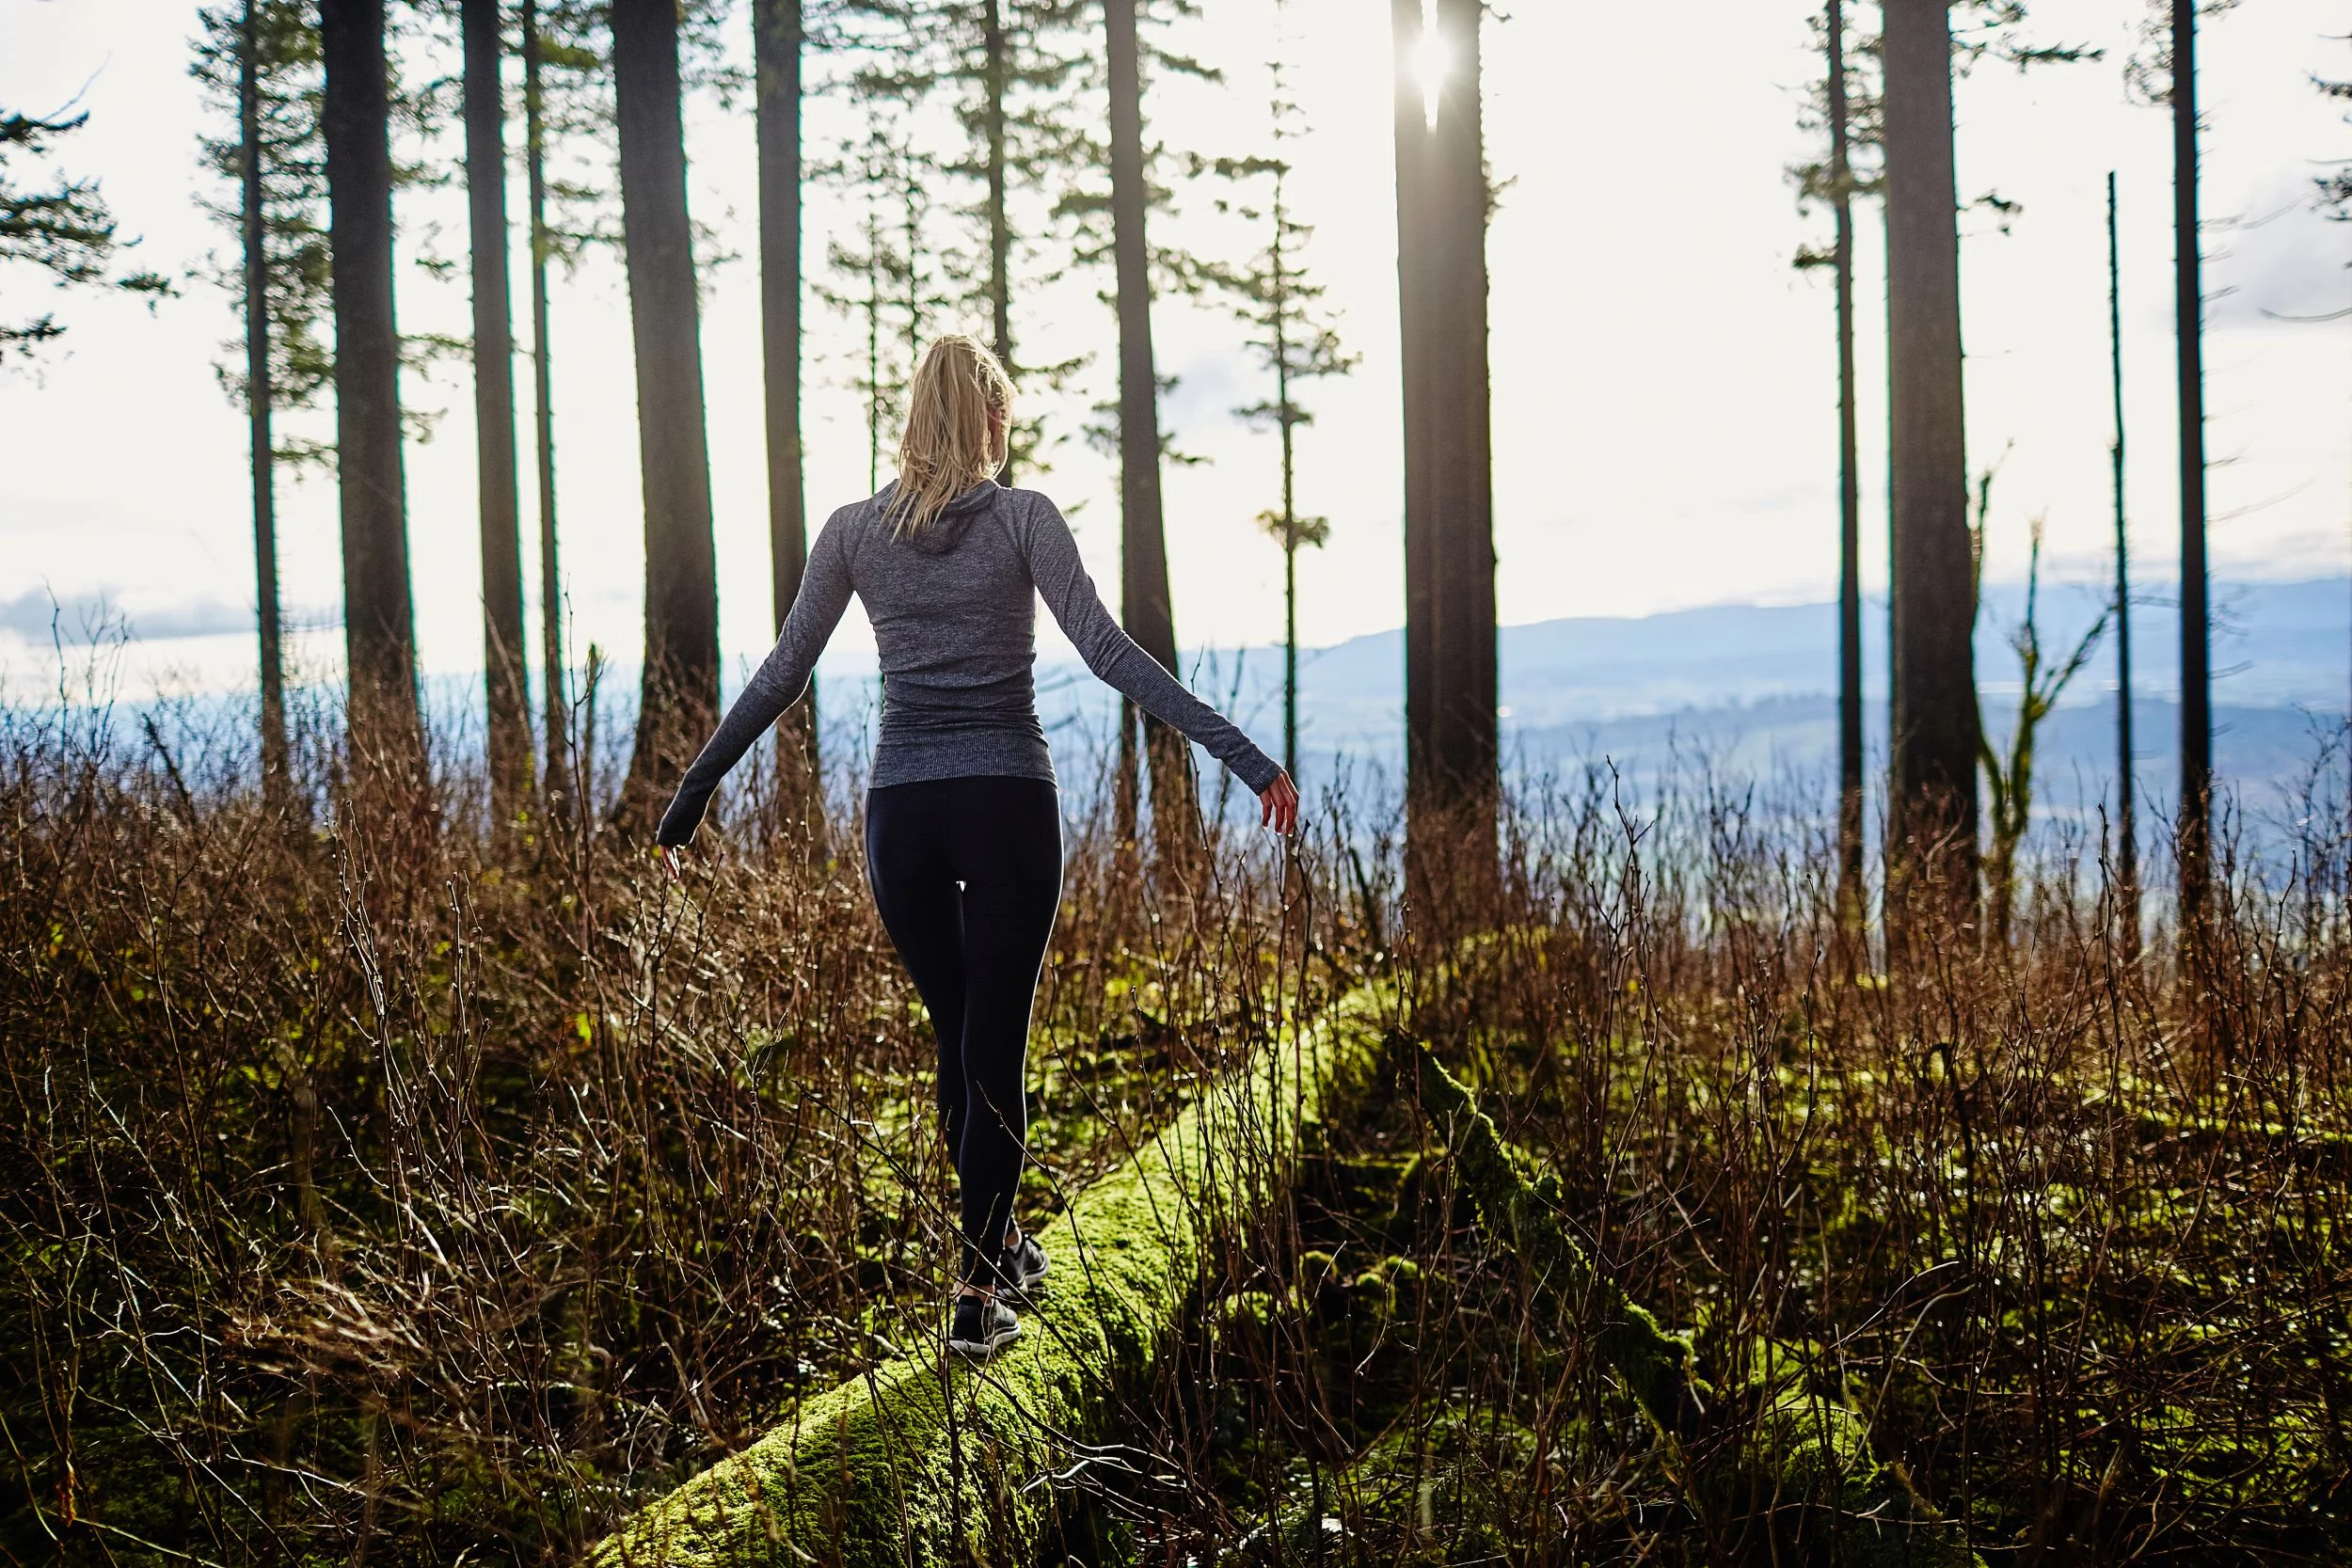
(1244, 1318)
(1654, 1364)
(1804, 1458)
(928, 1461)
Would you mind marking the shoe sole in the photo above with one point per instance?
(981, 1349)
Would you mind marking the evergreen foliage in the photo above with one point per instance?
(1003, 73)
(62, 227)
(887, 281)
(298, 275)
(1295, 340)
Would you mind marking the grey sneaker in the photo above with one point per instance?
(982, 1325)
(1022, 1267)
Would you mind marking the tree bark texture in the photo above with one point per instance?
(1286, 421)
(1145, 606)
(2188, 306)
(995, 75)
(2126, 825)
(1850, 785)
(563, 779)
(504, 658)
(379, 634)
(1450, 676)
(1933, 803)
(777, 37)
(679, 698)
(276, 756)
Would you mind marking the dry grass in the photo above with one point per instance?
(371, 1188)
(375, 1190)
(2069, 1231)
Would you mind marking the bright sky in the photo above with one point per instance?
(1663, 380)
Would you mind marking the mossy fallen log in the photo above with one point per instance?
(926, 1462)
(1776, 1450)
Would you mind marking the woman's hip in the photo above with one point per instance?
(974, 828)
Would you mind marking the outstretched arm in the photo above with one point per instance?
(1112, 656)
(778, 683)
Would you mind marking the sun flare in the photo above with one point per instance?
(1432, 60)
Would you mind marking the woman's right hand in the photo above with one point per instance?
(1277, 805)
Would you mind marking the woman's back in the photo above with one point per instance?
(954, 609)
(953, 604)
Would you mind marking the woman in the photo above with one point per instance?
(962, 826)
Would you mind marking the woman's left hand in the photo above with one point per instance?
(1277, 806)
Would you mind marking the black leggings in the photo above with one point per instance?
(968, 875)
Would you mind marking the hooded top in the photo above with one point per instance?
(954, 609)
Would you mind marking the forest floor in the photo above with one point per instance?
(402, 1191)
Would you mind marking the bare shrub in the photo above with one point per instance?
(374, 1185)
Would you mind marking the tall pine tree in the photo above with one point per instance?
(889, 282)
(1837, 80)
(1847, 110)
(259, 67)
(2126, 825)
(566, 83)
(1442, 201)
(2194, 828)
(1009, 68)
(251, 219)
(559, 777)
(503, 651)
(1297, 343)
(1932, 801)
(1146, 607)
(379, 635)
(678, 698)
(779, 35)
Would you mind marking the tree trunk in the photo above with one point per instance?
(502, 646)
(1126, 815)
(1286, 423)
(1806, 1463)
(276, 757)
(1451, 741)
(925, 1460)
(1416, 335)
(1145, 608)
(776, 40)
(2126, 829)
(678, 700)
(995, 71)
(2196, 809)
(1933, 803)
(563, 779)
(1290, 657)
(379, 634)
(1849, 786)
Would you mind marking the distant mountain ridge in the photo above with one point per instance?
(1753, 685)
(1748, 688)
(2284, 644)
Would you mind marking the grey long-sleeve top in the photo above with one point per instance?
(954, 608)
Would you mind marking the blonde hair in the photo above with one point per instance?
(949, 447)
